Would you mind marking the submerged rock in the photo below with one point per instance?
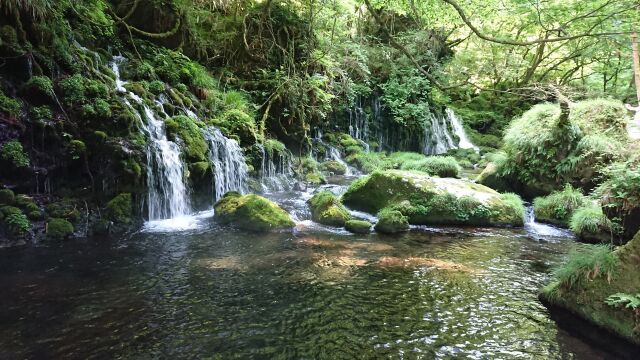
(600, 286)
(327, 209)
(251, 212)
(430, 200)
(358, 226)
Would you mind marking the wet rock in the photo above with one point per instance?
(391, 222)
(333, 167)
(251, 212)
(358, 226)
(327, 209)
(427, 200)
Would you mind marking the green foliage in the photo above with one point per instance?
(156, 87)
(9, 106)
(629, 301)
(59, 229)
(13, 153)
(442, 166)
(7, 196)
(41, 114)
(559, 206)
(238, 123)
(621, 188)
(586, 262)
(64, 209)
(590, 220)
(184, 128)
(73, 89)
(120, 208)
(39, 86)
(18, 224)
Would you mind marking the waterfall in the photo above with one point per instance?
(167, 192)
(437, 136)
(358, 124)
(227, 163)
(464, 143)
(275, 174)
(334, 154)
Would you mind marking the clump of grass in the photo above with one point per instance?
(590, 220)
(559, 206)
(442, 166)
(584, 263)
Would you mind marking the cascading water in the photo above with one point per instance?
(542, 231)
(227, 162)
(358, 124)
(276, 171)
(437, 137)
(167, 192)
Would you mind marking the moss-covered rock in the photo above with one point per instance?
(333, 167)
(591, 225)
(327, 209)
(119, 209)
(588, 278)
(7, 197)
(391, 221)
(184, 128)
(251, 212)
(64, 209)
(58, 229)
(431, 200)
(358, 226)
(491, 178)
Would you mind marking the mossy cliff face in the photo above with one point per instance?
(587, 297)
(251, 212)
(327, 209)
(430, 200)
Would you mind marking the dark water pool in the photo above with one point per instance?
(215, 293)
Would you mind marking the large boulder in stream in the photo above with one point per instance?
(251, 212)
(600, 285)
(427, 200)
(327, 209)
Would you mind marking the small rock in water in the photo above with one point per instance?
(300, 186)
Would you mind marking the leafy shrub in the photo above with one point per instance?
(156, 87)
(629, 301)
(9, 106)
(13, 152)
(559, 206)
(18, 224)
(586, 262)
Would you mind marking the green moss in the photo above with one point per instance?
(12, 152)
(251, 212)
(199, 169)
(64, 209)
(315, 178)
(558, 207)
(327, 209)
(358, 226)
(41, 114)
(102, 108)
(333, 167)
(7, 197)
(120, 209)
(39, 86)
(9, 106)
(184, 128)
(430, 200)
(391, 222)
(347, 141)
(59, 229)
(73, 89)
(156, 87)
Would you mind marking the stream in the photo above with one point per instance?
(189, 288)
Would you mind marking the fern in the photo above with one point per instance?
(628, 300)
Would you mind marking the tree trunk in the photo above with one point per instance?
(636, 64)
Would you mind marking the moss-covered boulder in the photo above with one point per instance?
(591, 225)
(598, 284)
(358, 226)
(429, 200)
(391, 221)
(58, 229)
(333, 167)
(251, 212)
(327, 209)
(119, 209)
(7, 197)
(64, 209)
